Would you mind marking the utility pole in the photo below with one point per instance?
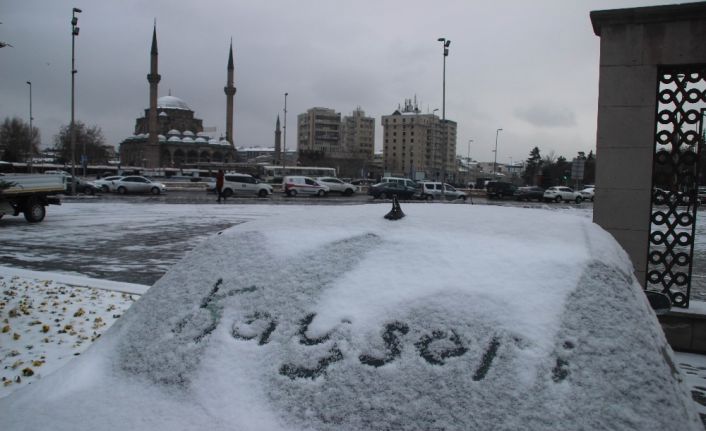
(74, 33)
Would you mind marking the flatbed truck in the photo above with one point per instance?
(30, 195)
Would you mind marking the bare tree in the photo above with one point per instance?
(18, 143)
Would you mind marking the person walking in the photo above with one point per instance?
(219, 185)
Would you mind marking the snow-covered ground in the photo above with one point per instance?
(502, 294)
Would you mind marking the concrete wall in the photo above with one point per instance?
(634, 43)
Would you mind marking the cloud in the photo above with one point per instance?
(545, 115)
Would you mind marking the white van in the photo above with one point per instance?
(244, 184)
(295, 184)
(399, 180)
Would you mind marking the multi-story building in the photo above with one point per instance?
(418, 145)
(319, 130)
(358, 135)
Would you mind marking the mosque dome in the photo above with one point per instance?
(188, 133)
(200, 140)
(163, 114)
(161, 137)
(171, 102)
(174, 139)
(174, 132)
(187, 140)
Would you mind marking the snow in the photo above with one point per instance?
(455, 317)
(45, 322)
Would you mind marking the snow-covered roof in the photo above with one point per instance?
(200, 140)
(188, 133)
(161, 137)
(187, 140)
(174, 139)
(174, 132)
(357, 322)
(171, 102)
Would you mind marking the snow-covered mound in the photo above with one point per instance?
(456, 317)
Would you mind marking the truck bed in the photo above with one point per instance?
(27, 184)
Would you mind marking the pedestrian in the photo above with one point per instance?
(219, 185)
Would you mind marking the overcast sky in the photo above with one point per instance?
(530, 68)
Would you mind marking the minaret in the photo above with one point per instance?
(230, 92)
(152, 150)
(278, 143)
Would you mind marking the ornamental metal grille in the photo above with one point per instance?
(681, 106)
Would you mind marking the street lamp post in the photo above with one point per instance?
(445, 44)
(468, 161)
(284, 151)
(74, 33)
(31, 152)
(495, 160)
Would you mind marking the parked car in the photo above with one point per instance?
(105, 183)
(82, 186)
(588, 193)
(429, 190)
(529, 193)
(388, 190)
(294, 185)
(499, 189)
(338, 186)
(137, 184)
(244, 184)
(399, 180)
(362, 182)
(562, 193)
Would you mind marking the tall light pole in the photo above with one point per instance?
(284, 151)
(74, 33)
(445, 44)
(495, 160)
(31, 153)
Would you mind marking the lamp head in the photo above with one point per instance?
(29, 83)
(441, 39)
(77, 10)
(448, 42)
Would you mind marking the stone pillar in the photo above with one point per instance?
(634, 44)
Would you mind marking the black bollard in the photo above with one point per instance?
(396, 211)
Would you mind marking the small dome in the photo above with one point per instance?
(203, 135)
(224, 142)
(162, 137)
(200, 140)
(213, 141)
(171, 102)
(174, 132)
(187, 140)
(188, 133)
(163, 114)
(174, 139)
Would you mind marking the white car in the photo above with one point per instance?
(244, 184)
(432, 190)
(562, 193)
(338, 186)
(588, 193)
(137, 184)
(105, 184)
(294, 185)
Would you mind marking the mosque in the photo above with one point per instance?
(169, 135)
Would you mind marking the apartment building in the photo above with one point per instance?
(418, 145)
(358, 134)
(319, 130)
